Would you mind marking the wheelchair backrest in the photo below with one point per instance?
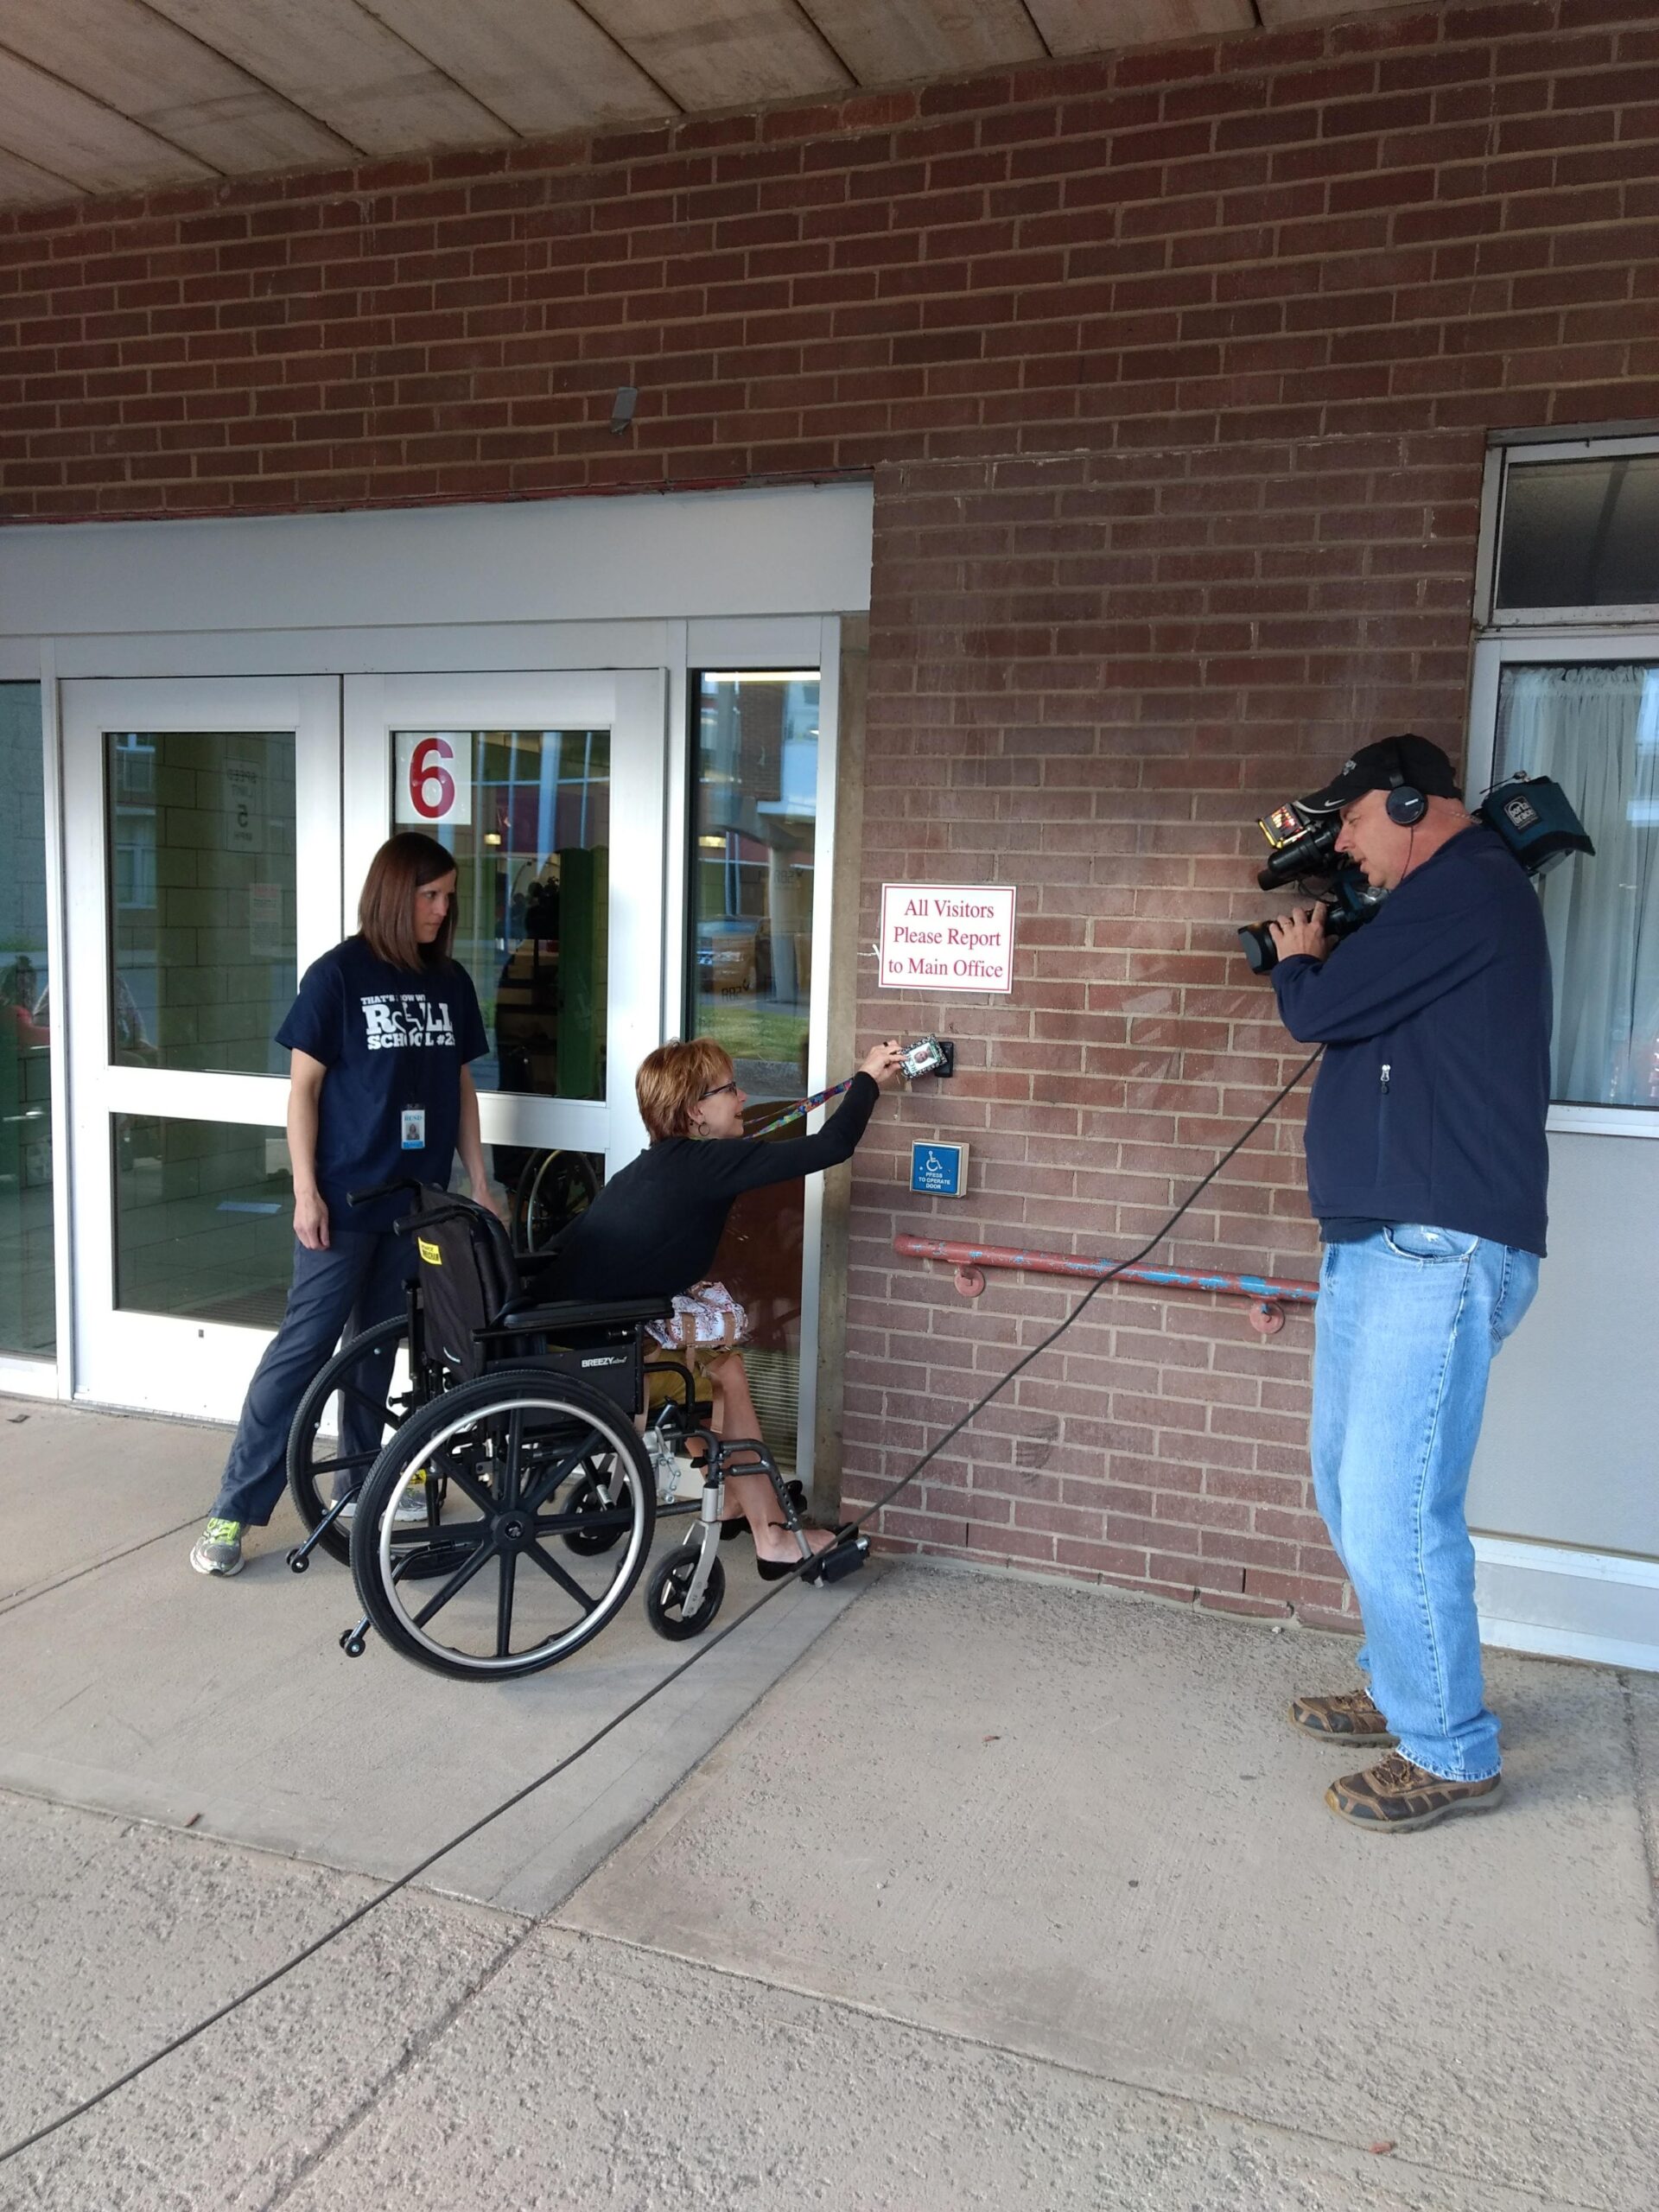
(468, 1276)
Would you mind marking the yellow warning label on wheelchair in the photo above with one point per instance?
(429, 1253)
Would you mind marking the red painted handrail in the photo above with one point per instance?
(1269, 1295)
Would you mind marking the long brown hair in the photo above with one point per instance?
(386, 910)
(671, 1081)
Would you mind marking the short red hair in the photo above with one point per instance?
(671, 1082)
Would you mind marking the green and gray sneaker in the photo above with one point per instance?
(218, 1549)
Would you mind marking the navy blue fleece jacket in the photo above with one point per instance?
(1429, 1103)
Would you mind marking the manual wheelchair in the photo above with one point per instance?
(486, 1478)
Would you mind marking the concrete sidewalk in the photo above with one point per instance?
(977, 1893)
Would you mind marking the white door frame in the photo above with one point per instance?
(1534, 1595)
(664, 582)
(631, 704)
(121, 1355)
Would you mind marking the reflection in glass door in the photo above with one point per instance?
(549, 792)
(28, 1279)
(189, 808)
(754, 841)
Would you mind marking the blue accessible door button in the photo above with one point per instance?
(939, 1169)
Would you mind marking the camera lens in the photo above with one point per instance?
(1260, 952)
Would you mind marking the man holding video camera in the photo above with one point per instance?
(1426, 1168)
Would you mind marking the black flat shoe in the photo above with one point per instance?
(774, 1570)
(737, 1525)
(845, 1556)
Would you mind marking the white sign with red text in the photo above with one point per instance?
(434, 776)
(946, 937)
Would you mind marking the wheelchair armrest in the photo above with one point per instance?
(518, 1321)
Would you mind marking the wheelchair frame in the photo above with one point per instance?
(516, 1429)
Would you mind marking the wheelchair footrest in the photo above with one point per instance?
(842, 1559)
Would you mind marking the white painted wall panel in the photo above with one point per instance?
(1569, 1453)
(793, 550)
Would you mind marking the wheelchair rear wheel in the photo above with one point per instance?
(480, 1590)
(371, 1392)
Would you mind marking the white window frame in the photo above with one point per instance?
(1551, 637)
(1503, 458)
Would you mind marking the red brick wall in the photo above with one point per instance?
(1173, 369)
(1089, 675)
(1442, 218)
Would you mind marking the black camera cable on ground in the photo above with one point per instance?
(390, 1890)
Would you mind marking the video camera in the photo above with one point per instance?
(1531, 814)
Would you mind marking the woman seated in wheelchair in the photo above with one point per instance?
(653, 1230)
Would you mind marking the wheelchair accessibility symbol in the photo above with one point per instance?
(940, 1170)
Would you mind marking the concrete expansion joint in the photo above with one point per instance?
(415, 2049)
(1646, 1793)
(20, 1598)
(1202, 2109)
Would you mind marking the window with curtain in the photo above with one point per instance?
(1594, 727)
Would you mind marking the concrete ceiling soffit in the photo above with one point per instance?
(1099, 26)
(341, 64)
(714, 53)
(65, 131)
(22, 185)
(542, 66)
(1284, 14)
(142, 66)
(122, 96)
(896, 42)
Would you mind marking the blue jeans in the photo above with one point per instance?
(360, 1279)
(1407, 1323)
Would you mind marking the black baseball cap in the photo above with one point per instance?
(1380, 766)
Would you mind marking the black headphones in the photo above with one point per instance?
(1405, 803)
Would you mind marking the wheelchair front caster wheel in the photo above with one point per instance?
(297, 1561)
(610, 1519)
(352, 1644)
(665, 1595)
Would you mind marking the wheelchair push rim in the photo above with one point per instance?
(552, 1190)
(311, 1476)
(488, 1590)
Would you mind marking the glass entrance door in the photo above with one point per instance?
(203, 846)
(218, 832)
(550, 791)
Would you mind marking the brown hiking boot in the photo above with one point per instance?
(1394, 1796)
(1349, 1720)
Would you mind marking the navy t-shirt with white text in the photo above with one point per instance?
(390, 1039)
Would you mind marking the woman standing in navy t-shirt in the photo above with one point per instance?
(378, 1087)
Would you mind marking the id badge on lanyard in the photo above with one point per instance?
(414, 1127)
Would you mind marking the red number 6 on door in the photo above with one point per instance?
(432, 785)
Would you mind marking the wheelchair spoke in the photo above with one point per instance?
(381, 1406)
(345, 1462)
(504, 1605)
(457, 1583)
(553, 1479)
(566, 1582)
(464, 1481)
(513, 1453)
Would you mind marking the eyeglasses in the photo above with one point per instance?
(719, 1089)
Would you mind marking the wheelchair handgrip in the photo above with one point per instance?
(382, 1191)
